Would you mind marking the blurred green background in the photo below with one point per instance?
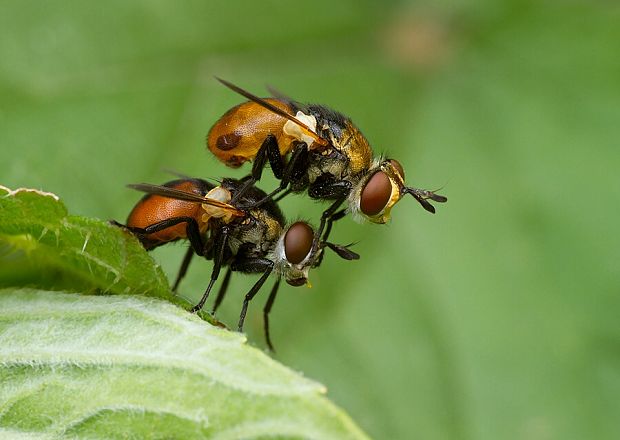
(497, 318)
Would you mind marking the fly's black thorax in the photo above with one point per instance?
(256, 234)
(330, 162)
(349, 153)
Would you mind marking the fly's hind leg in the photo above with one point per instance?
(288, 173)
(268, 152)
(191, 230)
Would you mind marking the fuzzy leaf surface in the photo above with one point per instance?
(41, 244)
(135, 367)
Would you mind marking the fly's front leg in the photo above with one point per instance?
(328, 229)
(328, 188)
(330, 221)
(252, 265)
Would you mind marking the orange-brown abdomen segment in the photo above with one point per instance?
(152, 209)
(238, 135)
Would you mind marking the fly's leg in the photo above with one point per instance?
(268, 152)
(220, 246)
(291, 172)
(222, 291)
(267, 309)
(252, 265)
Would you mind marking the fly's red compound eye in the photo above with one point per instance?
(396, 164)
(298, 242)
(376, 194)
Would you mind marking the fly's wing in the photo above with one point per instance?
(262, 102)
(177, 194)
(281, 96)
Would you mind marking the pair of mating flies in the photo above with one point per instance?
(309, 148)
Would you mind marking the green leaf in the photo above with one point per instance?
(45, 245)
(137, 367)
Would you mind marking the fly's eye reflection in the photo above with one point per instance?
(376, 194)
(298, 242)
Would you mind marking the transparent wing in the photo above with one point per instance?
(260, 101)
(177, 194)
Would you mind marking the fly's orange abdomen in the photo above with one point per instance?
(153, 209)
(238, 135)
